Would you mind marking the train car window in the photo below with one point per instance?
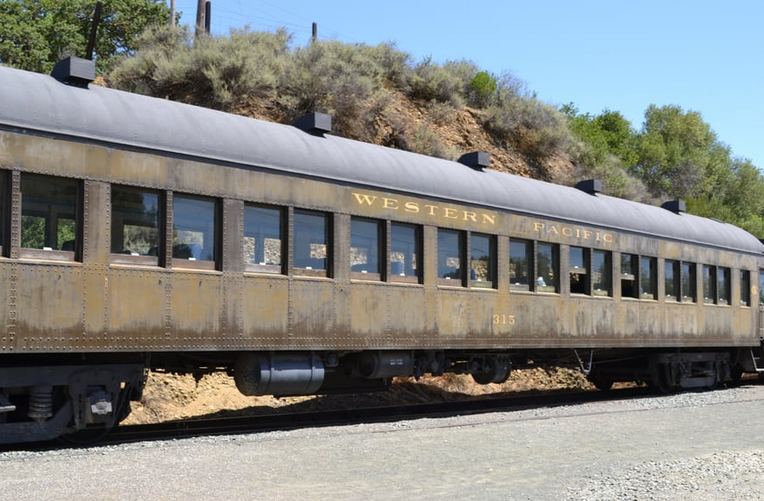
(647, 277)
(451, 257)
(49, 207)
(366, 237)
(547, 264)
(629, 265)
(405, 253)
(671, 279)
(578, 269)
(482, 261)
(761, 289)
(688, 282)
(194, 232)
(709, 284)
(520, 252)
(312, 247)
(601, 273)
(4, 212)
(745, 288)
(263, 243)
(723, 285)
(135, 234)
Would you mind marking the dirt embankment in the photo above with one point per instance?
(170, 396)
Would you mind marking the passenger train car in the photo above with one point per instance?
(139, 233)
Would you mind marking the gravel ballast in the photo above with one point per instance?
(693, 445)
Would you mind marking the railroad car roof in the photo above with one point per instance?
(39, 102)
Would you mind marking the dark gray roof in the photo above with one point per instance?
(39, 102)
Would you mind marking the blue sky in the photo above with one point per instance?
(702, 55)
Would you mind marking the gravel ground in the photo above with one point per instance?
(695, 445)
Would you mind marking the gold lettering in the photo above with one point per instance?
(567, 231)
(362, 198)
(432, 208)
(607, 237)
(390, 203)
(489, 219)
(587, 234)
(537, 227)
(503, 319)
(553, 229)
(411, 207)
(449, 213)
(470, 216)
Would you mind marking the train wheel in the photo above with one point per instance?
(662, 381)
(601, 382)
(492, 370)
(736, 375)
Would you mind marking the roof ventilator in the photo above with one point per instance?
(590, 186)
(74, 71)
(677, 206)
(315, 123)
(477, 160)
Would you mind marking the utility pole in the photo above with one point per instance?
(208, 17)
(314, 32)
(201, 7)
(172, 12)
(93, 31)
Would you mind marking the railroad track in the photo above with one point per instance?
(284, 421)
(295, 420)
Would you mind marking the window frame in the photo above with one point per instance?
(676, 269)
(555, 265)
(629, 277)
(379, 274)
(6, 194)
(585, 271)
(609, 272)
(127, 259)
(198, 264)
(55, 254)
(530, 256)
(328, 237)
(268, 269)
(492, 283)
(745, 299)
(726, 273)
(419, 249)
(693, 282)
(653, 279)
(712, 284)
(463, 255)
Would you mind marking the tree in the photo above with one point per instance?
(34, 34)
(678, 153)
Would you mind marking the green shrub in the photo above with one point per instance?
(482, 88)
(212, 71)
(440, 113)
(444, 83)
(341, 79)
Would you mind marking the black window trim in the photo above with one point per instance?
(130, 260)
(463, 244)
(493, 244)
(380, 274)
(297, 271)
(75, 256)
(284, 234)
(200, 264)
(418, 279)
